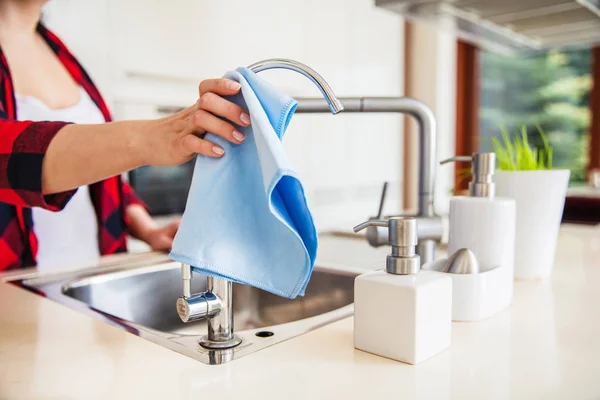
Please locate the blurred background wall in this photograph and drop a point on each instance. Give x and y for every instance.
(149, 56)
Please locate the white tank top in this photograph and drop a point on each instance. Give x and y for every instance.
(69, 237)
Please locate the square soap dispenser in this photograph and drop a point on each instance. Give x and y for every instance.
(400, 312)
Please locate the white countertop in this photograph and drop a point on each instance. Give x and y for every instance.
(547, 345)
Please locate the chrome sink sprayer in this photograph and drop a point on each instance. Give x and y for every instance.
(216, 303)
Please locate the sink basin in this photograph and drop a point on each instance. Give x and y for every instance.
(140, 298)
(147, 296)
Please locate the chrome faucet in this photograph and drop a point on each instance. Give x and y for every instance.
(333, 103)
(216, 303)
(430, 225)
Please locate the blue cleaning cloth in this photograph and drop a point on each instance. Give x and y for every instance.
(246, 217)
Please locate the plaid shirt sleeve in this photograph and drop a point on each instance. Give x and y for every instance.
(23, 146)
(129, 196)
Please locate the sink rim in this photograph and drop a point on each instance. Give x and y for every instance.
(102, 277)
(55, 284)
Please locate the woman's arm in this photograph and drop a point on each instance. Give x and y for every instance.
(41, 161)
(82, 154)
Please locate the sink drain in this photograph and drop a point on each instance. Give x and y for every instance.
(264, 334)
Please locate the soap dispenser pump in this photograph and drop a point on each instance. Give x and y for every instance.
(400, 312)
(483, 166)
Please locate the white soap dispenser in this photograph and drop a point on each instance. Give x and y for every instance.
(400, 312)
(485, 225)
(481, 222)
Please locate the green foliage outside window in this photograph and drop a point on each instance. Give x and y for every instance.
(550, 90)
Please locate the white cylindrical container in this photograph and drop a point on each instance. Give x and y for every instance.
(540, 197)
(486, 227)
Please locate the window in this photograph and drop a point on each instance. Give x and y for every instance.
(551, 89)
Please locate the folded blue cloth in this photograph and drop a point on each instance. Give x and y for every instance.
(246, 218)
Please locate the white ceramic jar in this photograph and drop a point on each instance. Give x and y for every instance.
(540, 197)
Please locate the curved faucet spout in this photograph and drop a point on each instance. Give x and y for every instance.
(282, 63)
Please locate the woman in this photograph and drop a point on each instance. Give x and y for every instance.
(43, 163)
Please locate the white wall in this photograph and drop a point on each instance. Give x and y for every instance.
(83, 26)
(156, 51)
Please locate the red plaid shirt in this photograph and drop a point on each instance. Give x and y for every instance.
(22, 149)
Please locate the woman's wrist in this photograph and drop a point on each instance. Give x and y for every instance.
(140, 223)
(138, 140)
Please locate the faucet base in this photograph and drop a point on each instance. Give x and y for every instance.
(221, 344)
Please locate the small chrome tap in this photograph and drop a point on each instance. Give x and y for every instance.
(216, 304)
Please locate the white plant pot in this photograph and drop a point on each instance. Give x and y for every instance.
(540, 198)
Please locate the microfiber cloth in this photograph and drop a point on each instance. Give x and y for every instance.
(246, 217)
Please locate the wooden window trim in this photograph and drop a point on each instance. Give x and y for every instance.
(467, 106)
(594, 149)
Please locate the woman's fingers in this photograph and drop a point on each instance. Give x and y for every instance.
(205, 115)
(221, 86)
(193, 144)
(203, 120)
(219, 106)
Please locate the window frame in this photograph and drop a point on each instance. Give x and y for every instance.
(594, 148)
(467, 106)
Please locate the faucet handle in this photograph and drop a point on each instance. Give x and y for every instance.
(197, 306)
(382, 200)
(191, 307)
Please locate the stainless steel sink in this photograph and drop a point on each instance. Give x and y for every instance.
(140, 297)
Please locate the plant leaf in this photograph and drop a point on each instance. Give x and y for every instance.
(547, 147)
(509, 147)
(505, 162)
(517, 154)
(540, 159)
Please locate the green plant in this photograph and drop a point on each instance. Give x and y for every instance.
(517, 154)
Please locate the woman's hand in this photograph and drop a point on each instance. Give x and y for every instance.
(141, 226)
(176, 139)
(161, 239)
